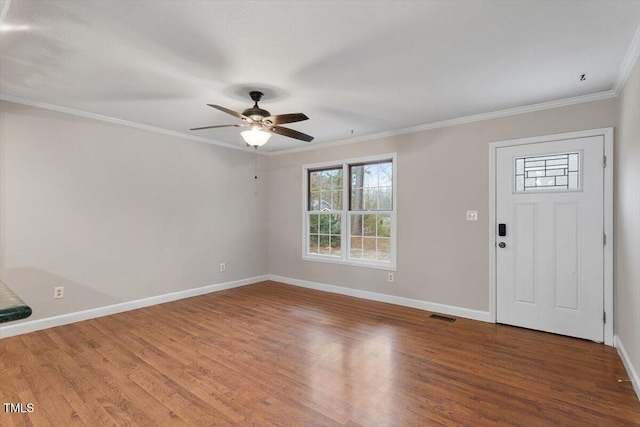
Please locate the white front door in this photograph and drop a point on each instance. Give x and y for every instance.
(550, 260)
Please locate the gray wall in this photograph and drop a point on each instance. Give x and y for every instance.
(116, 214)
(441, 173)
(627, 219)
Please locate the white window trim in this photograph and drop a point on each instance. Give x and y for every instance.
(345, 242)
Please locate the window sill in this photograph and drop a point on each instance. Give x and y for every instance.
(330, 260)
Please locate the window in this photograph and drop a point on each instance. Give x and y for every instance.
(548, 173)
(350, 211)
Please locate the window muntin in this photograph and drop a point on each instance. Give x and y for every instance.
(370, 236)
(554, 172)
(325, 189)
(371, 186)
(325, 231)
(351, 220)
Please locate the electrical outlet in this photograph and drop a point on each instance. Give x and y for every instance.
(472, 215)
(223, 267)
(390, 277)
(58, 292)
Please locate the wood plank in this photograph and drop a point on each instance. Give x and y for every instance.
(271, 354)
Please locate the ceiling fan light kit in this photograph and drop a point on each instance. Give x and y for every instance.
(255, 137)
(262, 123)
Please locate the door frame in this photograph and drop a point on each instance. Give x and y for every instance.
(607, 134)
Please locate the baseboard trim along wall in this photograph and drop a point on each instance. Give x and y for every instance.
(633, 375)
(451, 310)
(64, 319)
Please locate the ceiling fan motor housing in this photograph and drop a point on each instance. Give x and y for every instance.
(256, 113)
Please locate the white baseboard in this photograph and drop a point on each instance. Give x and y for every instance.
(633, 374)
(374, 296)
(64, 319)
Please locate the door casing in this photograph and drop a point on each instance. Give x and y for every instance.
(607, 134)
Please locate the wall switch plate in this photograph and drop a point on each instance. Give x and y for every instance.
(223, 267)
(390, 277)
(58, 292)
(472, 215)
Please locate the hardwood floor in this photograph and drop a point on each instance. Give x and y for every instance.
(271, 354)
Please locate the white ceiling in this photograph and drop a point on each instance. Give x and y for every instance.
(361, 66)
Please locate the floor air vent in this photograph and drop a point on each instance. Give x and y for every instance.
(443, 318)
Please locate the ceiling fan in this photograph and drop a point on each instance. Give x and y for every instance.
(262, 124)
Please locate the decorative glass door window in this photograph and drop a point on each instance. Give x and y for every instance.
(555, 172)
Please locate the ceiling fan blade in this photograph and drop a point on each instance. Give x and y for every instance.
(219, 126)
(228, 111)
(286, 118)
(291, 133)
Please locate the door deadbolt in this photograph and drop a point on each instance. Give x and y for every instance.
(502, 244)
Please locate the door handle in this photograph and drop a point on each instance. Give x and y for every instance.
(502, 244)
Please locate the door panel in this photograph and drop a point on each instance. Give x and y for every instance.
(524, 222)
(550, 272)
(567, 248)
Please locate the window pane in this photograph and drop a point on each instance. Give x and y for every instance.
(325, 201)
(385, 174)
(573, 162)
(372, 187)
(356, 247)
(323, 244)
(322, 185)
(573, 179)
(369, 244)
(334, 242)
(324, 234)
(336, 180)
(369, 225)
(313, 224)
(375, 243)
(324, 224)
(336, 225)
(370, 176)
(357, 176)
(357, 199)
(356, 225)
(384, 225)
(386, 199)
(314, 185)
(384, 250)
(370, 199)
(555, 172)
(336, 200)
(314, 201)
(313, 244)
(357, 184)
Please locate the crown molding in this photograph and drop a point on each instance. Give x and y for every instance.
(67, 110)
(459, 121)
(629, 61)
(434, 125)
